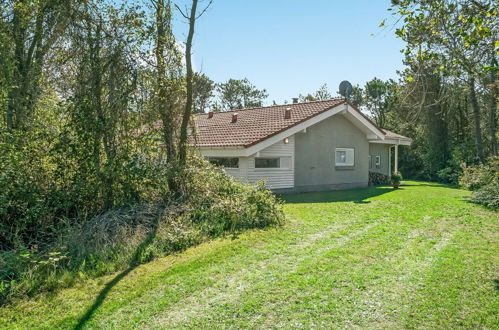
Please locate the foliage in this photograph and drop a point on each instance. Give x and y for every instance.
(239, 94)
(396, 177)
(483, 180)
(204, 89)
(475, 177)
(452, 43)
(337, 249)
(213, 204)
(322, 93)
(376, 178)
(487, 195)
(93, 144)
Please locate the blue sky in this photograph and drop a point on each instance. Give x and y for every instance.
(290, 47)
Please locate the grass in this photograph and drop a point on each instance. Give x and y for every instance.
(418, 257)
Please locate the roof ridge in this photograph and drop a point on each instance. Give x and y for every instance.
(276, 105)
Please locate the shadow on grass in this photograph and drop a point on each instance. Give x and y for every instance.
(357, 196)
(134, 263)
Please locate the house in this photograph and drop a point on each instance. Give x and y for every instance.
(310, 146)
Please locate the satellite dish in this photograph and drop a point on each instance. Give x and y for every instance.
(346, 89)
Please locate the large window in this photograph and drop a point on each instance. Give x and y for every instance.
(267, 162)
(228, 162)
(345, 157)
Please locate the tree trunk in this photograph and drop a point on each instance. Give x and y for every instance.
(476, 119)
(493, 115)
(188, 104)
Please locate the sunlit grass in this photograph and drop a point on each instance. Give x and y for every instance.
(415, 257)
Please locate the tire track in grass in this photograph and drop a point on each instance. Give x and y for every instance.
(239, 282)
(157, 300)
(457, 291)
(353, 298)
(382, 307)
(279, 275)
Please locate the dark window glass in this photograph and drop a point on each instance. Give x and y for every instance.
(229, 162)
(267, 162)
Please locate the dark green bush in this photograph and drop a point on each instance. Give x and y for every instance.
(210, 205)
(475, 177)
(487, 195)
(396, 177)
(376, 178)
(483, 180)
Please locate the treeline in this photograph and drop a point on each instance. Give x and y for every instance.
(95, 169)
(446, 98)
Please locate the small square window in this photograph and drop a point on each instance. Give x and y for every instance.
(344, 157)
(378, 161)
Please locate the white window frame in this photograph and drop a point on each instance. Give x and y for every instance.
(349, 157)
(378, 161)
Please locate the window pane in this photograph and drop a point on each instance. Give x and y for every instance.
(344, 157)
(267, 163)
(225, 161)
(341, 157)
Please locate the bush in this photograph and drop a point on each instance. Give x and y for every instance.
(211, 204)
(487, 195)
(449, 175)
(483, 180)
(376, 178)
(396, 177)
(475, 177)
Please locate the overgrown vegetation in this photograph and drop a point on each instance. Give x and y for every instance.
(95, 170)
(212, 204)
(366, 258)
(483, 180)
(376, 178)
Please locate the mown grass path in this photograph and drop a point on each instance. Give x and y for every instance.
(412, 258)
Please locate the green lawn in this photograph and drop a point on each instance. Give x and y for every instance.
(411, 258)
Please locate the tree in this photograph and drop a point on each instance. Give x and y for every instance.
(102, 85)
(36, 27)
(203, 92)
(458, 35)
(322, 93)
(239, 94)
(379, 96)
(168, 71)
(186, 116)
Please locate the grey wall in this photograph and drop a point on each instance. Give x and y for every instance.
(314, 156)
(379, 150)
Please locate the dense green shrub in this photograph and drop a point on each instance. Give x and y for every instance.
(211, 204)
(396, 177)
(376, 178)
(483, 180)
(475, 177)
(487, 195)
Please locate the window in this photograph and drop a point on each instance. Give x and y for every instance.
(228, 162)
(344, 157)
(378, 161)
(267, 162)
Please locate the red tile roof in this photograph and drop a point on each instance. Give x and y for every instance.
(255, 124)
